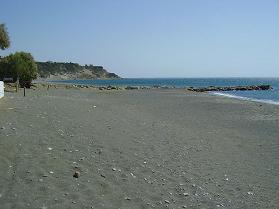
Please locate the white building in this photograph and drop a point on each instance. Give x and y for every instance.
(1, 89)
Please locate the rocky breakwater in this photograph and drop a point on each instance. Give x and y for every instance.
(134, 87)
(231, 88)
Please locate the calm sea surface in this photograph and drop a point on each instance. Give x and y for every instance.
(271, 96)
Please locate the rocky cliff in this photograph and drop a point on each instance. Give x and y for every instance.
(71, 71)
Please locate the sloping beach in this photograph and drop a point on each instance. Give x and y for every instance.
(137, 149)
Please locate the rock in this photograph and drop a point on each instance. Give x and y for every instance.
(109, 88)
(166, 201)
(132, 88)
(112, 87)
(76, 174)
(231, 88)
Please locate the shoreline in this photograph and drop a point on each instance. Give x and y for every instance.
(225, 85)
(227, 95)
(108, 87)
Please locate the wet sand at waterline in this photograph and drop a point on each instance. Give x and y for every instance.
(137, 149)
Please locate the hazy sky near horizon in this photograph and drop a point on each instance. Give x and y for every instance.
(150, 38)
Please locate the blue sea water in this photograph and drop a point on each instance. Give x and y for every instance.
(270, 96)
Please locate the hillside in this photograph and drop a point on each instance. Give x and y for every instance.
(66, 71)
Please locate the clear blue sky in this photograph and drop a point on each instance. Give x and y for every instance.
(150, 38)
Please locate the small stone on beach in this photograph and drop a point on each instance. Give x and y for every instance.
(76, 174)
(166, 201)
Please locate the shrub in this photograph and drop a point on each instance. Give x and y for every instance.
(19, 65)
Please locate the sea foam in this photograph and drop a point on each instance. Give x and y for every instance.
(246, 98)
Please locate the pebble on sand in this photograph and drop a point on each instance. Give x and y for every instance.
(76, 174)
(166, 201)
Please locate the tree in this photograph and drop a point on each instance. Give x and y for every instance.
(4, 37)
(19, 65)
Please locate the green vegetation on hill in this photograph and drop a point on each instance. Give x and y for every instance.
(72, 71)
(46, 69)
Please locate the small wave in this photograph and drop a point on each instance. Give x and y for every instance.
(246, 98)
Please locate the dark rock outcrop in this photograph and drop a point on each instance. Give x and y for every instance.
(131, 87)
(231, 88)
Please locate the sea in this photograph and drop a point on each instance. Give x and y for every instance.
(269, 96)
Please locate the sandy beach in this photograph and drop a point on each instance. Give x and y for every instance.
(137, 149)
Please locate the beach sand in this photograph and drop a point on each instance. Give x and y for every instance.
(137, 149)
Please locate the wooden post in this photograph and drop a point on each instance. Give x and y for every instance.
(17, 84)
(24, 89)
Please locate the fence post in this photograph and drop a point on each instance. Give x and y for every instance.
(17, 84)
